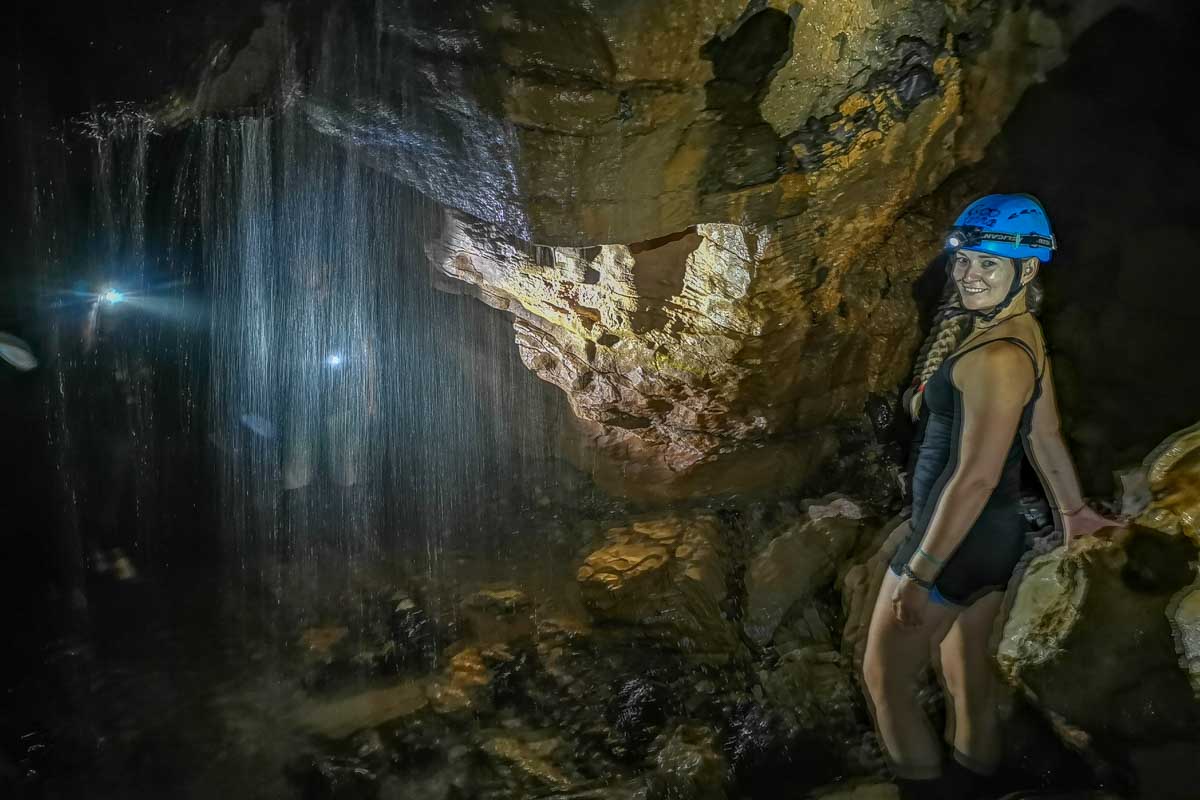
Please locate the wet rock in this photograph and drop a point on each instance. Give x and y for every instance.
(321, 641)
(664, 577)
(413, 645)
(816, 685)
(334, 779)
(769, 753)
(797, 562)
(1101, 611)
(498, 615)
(1183, 612)
(689, 764)
(528, 765)
(512, 674)
(1173, 476)
(338, 719)
(637, 711)
(464, 687)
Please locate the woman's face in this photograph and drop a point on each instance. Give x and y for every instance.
(983, 279)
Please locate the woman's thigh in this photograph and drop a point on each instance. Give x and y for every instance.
(897, 654)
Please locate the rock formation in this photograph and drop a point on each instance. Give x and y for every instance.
(1102, 638)
(699, 213)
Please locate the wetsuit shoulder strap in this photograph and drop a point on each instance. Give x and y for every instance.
(1019, 342)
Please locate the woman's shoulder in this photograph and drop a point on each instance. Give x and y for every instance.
(1002, 360)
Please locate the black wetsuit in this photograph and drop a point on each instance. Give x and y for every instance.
(986, 557)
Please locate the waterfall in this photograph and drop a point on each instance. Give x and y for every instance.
(288, 380)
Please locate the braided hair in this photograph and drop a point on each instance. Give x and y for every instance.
(951, 324)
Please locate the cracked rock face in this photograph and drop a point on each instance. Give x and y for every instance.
(698, 212)
(737, 280)
(667, 576)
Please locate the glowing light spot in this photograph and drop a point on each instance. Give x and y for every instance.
(112, 296)
(334, 360)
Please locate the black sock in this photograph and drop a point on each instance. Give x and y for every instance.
(924, 789)
(966, 783)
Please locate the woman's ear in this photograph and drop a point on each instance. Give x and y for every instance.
(1029, 269)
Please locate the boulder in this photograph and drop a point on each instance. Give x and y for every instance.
(690, 765)
(1173, 475)
(498, 615)
(795, 563)
(816, 684)
(1089, 643)
(665, 577)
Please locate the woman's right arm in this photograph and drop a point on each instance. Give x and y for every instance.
(1050, 457)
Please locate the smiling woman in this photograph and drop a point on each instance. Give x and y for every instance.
(990, 401)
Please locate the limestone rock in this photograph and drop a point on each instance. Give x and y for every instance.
(796, 563)
(1183, 612)
(690, 765)
(1173, 473)
(462, 689)
(665, 576)
(816, 684)
(1089, 643)
(339, 719)
(528, 763)
(498, 615)
(711, 280)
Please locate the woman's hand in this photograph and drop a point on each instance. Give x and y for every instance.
(1085, 522)
(908, 603)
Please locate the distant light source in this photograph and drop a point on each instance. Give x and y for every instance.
(112, 296)
(334, 360)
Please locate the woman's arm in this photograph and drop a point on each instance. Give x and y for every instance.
(996, 383)
(1048, 453)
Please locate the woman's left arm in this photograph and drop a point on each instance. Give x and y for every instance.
(1048, 453)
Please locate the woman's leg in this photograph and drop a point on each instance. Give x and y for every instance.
(895, 661)
(970, 681)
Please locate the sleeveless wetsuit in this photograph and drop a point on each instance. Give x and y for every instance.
(988, 554)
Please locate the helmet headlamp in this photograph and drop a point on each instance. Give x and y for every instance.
(972, 236)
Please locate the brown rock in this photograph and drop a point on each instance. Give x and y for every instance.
(1173, 474)
(816, 684)
(321, 641)
(665, 576)
(1089, 642)
(528, 764)
(498, 615)
(462, 689)
(339, 719)
(690, 765)
(794, 564)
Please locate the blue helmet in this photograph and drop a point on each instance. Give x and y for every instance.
(1009, 225)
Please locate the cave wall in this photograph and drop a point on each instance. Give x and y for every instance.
(706, 218)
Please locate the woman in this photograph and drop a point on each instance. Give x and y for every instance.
(990, 398)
